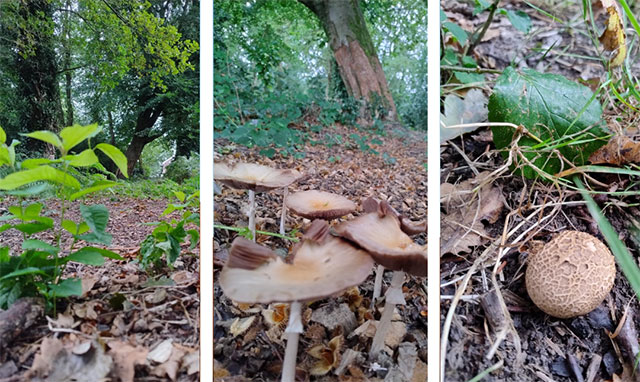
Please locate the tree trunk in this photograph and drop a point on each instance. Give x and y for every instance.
(142, 135)
(358, 63)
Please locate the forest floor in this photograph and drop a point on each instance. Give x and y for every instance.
(148, 326)
(516, 216)
(247, 346)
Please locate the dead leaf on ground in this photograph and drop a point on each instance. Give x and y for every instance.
(173, 364)
(328, 356)
(125, 358)
(471, 109)
(613, 38)
(618, 151)
(465, 209)
(57, 362)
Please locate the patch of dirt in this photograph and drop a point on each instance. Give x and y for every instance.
(122, 305)
(400, 177)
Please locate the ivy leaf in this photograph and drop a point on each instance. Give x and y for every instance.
(552, 108)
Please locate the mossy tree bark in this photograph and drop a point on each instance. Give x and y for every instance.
(350, 41)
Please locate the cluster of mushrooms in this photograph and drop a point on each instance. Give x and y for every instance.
(327, 260)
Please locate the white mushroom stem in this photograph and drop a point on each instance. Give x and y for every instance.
(283, 215)
(377, 285)
(294, 328)
(252, 214)
(393, 297)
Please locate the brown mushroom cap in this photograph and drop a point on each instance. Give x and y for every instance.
(383, 207)
(319, 205)
(571, 275)
(386, 242)
(249, 176)
(318, 270)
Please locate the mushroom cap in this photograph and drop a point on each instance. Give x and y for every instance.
(249, 176)
(571, 275)
(318, 270)
(319, 205)
(386, 242)
(383, 207)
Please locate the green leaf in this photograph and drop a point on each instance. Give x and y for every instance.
(69, 226)
(194, 237)
(73, 135)
(457, 32)
(3, 136)
(4, 155)
(519, 20)
(84, 159)
(48, 173)
(46, 136)
(180, 195)
(66, 288)
(86, 257)
(35, 162)
(91, 252)
(31, 228)
(468, 78)
(39, 244)
(96, 217)
(23, 272)
(553, 109)
(116, 156)
(97, 186)
(31, 190)
(12, 152)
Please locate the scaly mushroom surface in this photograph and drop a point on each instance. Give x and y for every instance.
(571, 275)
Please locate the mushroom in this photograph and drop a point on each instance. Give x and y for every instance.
(255, 178)
(380, 234)
(571, 275)
(370, 205)
(320, 205)
(322, 266)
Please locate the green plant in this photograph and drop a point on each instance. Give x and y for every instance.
(246, 232)
(167, 237)
(39, 269)
(182, 168)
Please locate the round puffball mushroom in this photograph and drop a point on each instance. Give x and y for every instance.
(571, 275)
(380, 235)
(322, 266)
(255, 178)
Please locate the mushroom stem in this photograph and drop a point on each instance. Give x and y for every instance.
(377, 285)
(393, 297)
(252, 214)
(294, 328)
(283, 215)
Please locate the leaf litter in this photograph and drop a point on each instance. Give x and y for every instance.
(122, 315)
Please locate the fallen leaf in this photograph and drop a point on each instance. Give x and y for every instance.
(161, 352)
(87, 285)
(471, 109)
(465, 209)
(240, 326)
(328, 356)
(618, 151)
(613, 38)
(170, 367)
(125, 358)
(56, 362)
